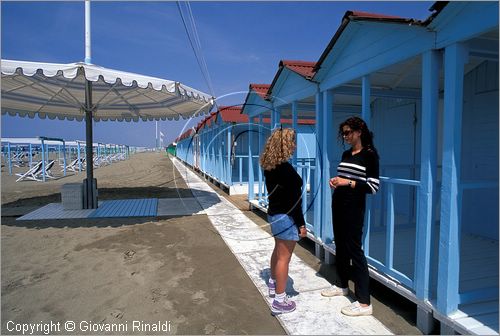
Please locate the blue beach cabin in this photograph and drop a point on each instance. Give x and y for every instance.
(429, 91)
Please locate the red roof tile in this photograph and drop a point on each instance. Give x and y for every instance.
(360, 14)
(232, 114)
(212, 118)
(303, 68)
(185, 135)
(357, 15)
(206, 121)
(260, 89)
(288, 121)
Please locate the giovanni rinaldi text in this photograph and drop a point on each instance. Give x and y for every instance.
(47, 328)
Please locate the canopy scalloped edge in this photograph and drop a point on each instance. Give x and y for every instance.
(201, 102)
(94, 72)
(43, 115)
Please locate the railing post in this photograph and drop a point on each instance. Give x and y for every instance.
(367, 227)
(64, 157)
(31, 155)
(219, 163)
(389, 238)
(328, 142)
(366, 114)
(428, 167)
(10, 158)
(317, 187)
(251, 193)
(43, 161)
(455, 58)
(229, 171)
(295, 127)
(304, 174)
(240, 164)
(261, 144)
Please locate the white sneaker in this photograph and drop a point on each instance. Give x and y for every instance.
(335, 291)
(355, 309)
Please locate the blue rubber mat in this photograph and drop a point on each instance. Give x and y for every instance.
(145, 207)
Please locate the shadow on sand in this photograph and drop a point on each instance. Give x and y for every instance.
(12, 211)
(265, 275)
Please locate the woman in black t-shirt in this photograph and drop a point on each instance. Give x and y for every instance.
(284, 187)
(358, 175)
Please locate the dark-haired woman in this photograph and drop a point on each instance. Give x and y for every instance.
(358, 175)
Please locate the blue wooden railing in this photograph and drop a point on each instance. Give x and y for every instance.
(387, 267)
(386, 216)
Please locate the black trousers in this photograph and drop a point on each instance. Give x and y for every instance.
(348, 212)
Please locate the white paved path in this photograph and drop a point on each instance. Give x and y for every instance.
(252, 246)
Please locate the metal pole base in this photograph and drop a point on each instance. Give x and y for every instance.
(89, 194)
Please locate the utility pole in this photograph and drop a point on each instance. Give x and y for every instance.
(156, 135)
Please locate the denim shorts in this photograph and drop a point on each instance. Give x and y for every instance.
(283, 227)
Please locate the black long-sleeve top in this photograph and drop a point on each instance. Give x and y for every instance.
(284, 187)
(363, 168)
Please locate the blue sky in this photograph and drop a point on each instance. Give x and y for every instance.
(242, 43)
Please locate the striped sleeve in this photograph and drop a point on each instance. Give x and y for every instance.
(372, 173)
(362, 168)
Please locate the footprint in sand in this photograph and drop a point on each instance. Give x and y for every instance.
(114, 315)
(213, 329)
(16, 310)
(37, 277)
(157, 293)
(117, 313)
(199, 297)
(129, 254)
(12, 285)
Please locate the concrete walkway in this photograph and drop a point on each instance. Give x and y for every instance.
(252, 247)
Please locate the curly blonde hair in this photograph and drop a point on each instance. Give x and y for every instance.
(279, 148)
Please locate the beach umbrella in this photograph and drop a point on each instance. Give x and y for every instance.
(51, 90)
(82, 90)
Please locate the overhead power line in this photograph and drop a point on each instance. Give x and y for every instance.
(194, 40)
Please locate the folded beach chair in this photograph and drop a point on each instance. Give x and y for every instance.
(113, 158)
(35, 173)
(105, 160)
(31, 173)
(69, 166)
(119, 157)
(48, 172)
(99, 161)
(73, 166)
(96, 161)
(18, 159)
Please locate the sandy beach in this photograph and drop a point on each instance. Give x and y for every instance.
(145, 274)
(162, 272)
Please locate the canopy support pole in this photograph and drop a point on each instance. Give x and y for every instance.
(88, 50)
(89, 188)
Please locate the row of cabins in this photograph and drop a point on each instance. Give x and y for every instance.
(205, 147)
(429, 92)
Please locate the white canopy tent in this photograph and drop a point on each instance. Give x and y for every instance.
(58, 91)
(79, 90)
